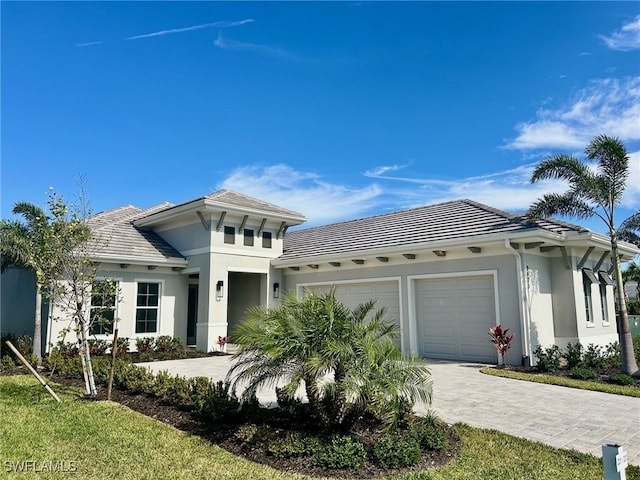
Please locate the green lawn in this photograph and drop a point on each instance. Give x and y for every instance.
(630, 391)
(107, 440)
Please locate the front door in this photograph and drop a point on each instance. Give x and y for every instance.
(192, 314)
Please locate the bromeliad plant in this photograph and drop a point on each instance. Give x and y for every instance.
(501, 339)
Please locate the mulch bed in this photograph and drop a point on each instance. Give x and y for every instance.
(224, 438)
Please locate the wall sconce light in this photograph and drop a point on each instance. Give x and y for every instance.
(276, 290)
(219, 289)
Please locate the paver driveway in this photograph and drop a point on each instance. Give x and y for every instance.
(558, 416)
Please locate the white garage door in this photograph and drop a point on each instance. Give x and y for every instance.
(454, 315)
(353, 294)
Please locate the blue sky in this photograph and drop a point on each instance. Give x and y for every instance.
(337, 110)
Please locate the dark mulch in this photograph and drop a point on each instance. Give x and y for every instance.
(224, 436)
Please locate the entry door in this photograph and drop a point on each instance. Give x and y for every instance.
(192, 314)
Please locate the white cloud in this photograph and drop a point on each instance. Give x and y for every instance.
(88, 44)
(305, 192)
(378, 171)
(324, 202)
(225, 44)
(625, 39)
(606, 106)
(220, 24)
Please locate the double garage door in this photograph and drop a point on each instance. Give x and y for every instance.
(453, 316)
(353, 294)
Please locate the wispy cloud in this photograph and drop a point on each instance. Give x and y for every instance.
(88, 44)
(382, 170)
(625, 39)
(509, 190)
(610, 106)
(305, 192)
(226, 44)
(220, 24)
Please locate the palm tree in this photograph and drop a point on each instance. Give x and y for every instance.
(629, 230)
(22, 244)
(592, 193)
(345, 359)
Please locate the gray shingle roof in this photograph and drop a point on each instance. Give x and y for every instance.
(119, 238)
(441, 222)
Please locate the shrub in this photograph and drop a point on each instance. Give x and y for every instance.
(138, 379)
(180, 392)
(593, 358)
(97, 346)
(431, 434)
(622, 379)
(288, 403)
(548, 358)
(254, 435)
(293, 444)
(220, 405)
(613, 356)
(573, 356)
(583, 373)
(397, 450)
(633, 307)
(341, 452)
(62, 363)
(145, 345)
(169, 347)
(7, 362)
(636, 347)
(122, 346)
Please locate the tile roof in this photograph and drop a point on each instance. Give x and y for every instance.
(121, 239)
(240, 201)
(440, 222)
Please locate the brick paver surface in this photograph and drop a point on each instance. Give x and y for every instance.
(558, 416)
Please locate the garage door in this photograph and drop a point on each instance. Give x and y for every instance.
(454, 316)
(353, 294)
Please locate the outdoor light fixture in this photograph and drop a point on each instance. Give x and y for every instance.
(219, 289)
(276, 290)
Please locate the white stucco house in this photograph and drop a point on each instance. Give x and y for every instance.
(445, 272)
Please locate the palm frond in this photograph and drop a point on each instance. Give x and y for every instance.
(560, 204)
(559, 167)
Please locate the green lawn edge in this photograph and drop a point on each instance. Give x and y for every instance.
(563, 381)
(108, 440)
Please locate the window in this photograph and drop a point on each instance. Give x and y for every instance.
(103, 307)
(587, 279)
(605, 280)
(248, 237)
(147, 303)
(266, 239)
(603, 304)
(230, 235)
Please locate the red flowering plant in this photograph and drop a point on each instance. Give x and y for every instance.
(501, 339)
(222, 341)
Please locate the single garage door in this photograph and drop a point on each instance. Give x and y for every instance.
(353, 294)
(454, 315)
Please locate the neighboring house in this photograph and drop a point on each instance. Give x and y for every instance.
(445, 272)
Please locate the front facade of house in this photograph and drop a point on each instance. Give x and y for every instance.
(445, 273)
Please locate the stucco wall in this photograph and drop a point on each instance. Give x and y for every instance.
(172, 314)
(537, 272)
(507, 309)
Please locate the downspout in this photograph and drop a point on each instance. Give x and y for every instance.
(522, 302)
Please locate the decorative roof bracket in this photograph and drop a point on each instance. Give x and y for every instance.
(205, 223)
(220, 220)
(585, 257)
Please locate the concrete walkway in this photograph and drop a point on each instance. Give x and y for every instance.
(558, 416)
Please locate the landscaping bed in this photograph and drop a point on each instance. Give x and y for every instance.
(282, 425)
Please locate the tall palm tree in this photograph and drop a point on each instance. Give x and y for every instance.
(22, 245)
(345, 359)
(629, 230)
(592, 193)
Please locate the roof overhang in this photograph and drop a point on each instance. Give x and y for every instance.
(141, 260)
(207, 205)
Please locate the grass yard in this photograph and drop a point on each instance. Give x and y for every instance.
(630, 391)
(107, 440)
